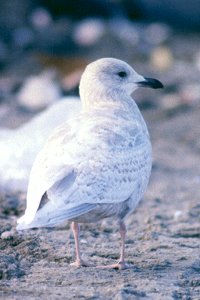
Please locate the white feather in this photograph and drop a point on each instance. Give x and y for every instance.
(102, 156)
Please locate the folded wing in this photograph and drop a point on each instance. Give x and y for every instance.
(80, 167)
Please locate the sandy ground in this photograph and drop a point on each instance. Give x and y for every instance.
(162, 239)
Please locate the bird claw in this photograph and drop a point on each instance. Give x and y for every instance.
(80, 263)
(120, 266)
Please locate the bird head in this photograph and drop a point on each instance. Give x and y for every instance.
(110, 76)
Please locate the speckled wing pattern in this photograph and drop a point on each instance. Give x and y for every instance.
(91, 160)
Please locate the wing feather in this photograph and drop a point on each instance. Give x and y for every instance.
(86, 162)
(50, 215)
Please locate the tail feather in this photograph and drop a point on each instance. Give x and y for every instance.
(50, 215)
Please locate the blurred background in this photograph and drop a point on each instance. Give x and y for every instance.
(44, 48)
(46, 44)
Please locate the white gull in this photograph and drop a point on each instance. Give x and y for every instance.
(19, 147)
(96, 165)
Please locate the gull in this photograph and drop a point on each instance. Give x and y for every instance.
(20, 146)
(98, 164)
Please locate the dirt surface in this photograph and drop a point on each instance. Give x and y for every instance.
(162, 239)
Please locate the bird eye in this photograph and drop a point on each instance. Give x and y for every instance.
(122, 74)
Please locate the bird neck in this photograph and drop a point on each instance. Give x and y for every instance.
(110, 99)
(112, 102)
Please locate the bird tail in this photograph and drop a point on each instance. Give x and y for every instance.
(50, 215)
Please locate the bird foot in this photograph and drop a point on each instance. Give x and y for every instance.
(121, 265)
(80, 263)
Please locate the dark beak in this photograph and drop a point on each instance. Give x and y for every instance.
(152, 83)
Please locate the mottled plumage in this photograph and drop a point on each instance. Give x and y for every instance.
(98, 164)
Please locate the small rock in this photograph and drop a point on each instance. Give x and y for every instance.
(40, 18)
(88, 32)
(190, 94)
(39, 91)
(157, 33)
(125, 30)
(161, 58)
(177, 214)
(171, 101)
(83, 241)
(7, 235)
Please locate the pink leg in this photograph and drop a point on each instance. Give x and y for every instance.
(78, 262)
(121, 264)
(122, 231)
